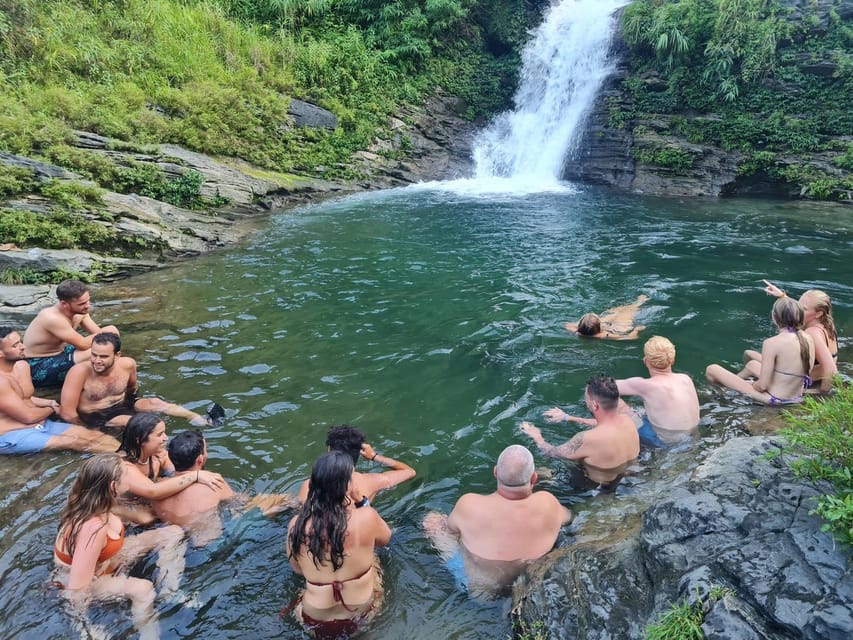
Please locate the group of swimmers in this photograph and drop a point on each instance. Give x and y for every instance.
(331, 539)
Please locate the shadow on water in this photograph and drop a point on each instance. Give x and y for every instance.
(432, 320)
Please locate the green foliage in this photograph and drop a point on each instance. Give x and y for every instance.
(15, 180)
(757, 162)
(521, 630)
(62, 230)
(669, 157)
(28, 276)
(820, 435)
(683, 621)
(72, 195)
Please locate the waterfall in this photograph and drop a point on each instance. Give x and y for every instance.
(563, 67)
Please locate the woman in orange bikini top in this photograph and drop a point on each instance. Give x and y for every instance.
(90, 538)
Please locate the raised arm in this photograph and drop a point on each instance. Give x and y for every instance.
(632, 386)
(399, 472)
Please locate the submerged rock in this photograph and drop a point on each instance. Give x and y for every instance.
(740, 526)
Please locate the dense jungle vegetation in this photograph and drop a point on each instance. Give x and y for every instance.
(217, 76)
(744, 76)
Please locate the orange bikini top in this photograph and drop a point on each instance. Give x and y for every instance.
(112, 547)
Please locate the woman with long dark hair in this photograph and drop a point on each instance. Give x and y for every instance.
(143, 450)
(785, 364)
(331, 543)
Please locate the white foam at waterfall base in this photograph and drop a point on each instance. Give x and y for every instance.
(563, 67)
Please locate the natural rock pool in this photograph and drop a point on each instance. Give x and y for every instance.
(433, 320)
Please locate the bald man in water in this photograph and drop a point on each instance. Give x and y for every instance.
(499, 533)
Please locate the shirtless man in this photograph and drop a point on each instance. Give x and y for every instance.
(608, 448)
(52, 342)
(24, 424)
(194, 508)
(495, 536)
(616, 323)
(350, 440)
(102, 392)
(670, 400)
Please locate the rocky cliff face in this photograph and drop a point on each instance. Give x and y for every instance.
(649, 153)
(736, 538)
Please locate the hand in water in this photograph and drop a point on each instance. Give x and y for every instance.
(531, 430)
(555, 415)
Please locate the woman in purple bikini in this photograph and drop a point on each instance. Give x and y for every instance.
(786, 360)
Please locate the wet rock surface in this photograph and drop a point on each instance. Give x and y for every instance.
(740, 524)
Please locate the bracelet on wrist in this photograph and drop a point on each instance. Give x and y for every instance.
(374, 457)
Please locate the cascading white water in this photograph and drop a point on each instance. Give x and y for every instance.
(563, 67)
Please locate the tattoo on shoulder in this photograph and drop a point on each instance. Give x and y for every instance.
(575, 443)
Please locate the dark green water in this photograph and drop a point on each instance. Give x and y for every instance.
(433, 321)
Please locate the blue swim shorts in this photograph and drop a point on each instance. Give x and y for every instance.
(49, 371)
(33, 439)
(456, 566)
(648, 434)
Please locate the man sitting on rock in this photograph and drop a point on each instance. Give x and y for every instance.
(606, 450)
(25, 424)
(52, 343)
(102, 393)
(487, 540)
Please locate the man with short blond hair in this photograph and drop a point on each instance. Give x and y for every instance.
(670, 400)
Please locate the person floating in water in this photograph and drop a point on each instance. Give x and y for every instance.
(785, 363)
(492, 538)
(819, 324)
(609, 447)
(616, 323)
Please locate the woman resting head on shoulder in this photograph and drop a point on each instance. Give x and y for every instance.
(146, 461)
(331, 543)
(87, 550)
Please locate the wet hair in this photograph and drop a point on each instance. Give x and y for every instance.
(589, 325)
(345, 438)
(5, 331)
(68, 290)
(789, 314)
(138, 428)
(515, 466)
(659, 352)
(823, 304)
(92, 494)
(106, 337)
(326, 510)
(185, 448)
(604, 390)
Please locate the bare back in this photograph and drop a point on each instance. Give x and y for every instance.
(365, 531)
(669, 398)
(49, 332)
(187, 506)
(782, 373)
(497, 528)
(607, 449)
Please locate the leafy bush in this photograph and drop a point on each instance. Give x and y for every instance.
(820, 435)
